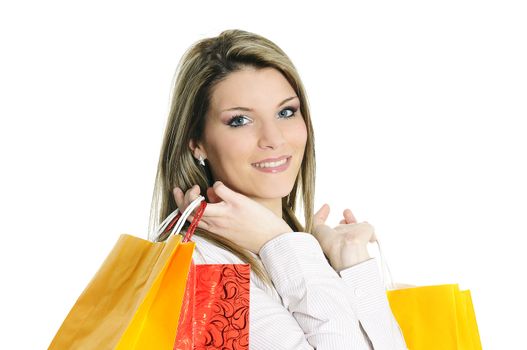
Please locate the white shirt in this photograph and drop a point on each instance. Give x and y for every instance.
(311, 306)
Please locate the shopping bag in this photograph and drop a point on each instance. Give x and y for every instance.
(436, 317)
(439, 317)
(215, 312)
(134, 300)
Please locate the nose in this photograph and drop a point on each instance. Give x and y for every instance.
(271, 135)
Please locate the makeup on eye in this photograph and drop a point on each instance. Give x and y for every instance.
(240, 116)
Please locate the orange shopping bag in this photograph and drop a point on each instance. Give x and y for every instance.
(134, 299)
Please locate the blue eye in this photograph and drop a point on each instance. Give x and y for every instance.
(291, 109)
(240, 117)
(236, 118)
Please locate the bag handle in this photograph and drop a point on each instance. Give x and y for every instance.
(170, 220)
(385, 270)
(195, 221)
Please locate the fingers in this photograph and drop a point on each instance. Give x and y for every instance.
(184, 199)
(213, 197)
(191, 194)
(349, 218)
(179, 197)
(224, 193)
(321, 215)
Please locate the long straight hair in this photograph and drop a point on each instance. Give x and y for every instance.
(201, 67)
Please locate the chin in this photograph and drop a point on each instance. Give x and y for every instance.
(274, 191)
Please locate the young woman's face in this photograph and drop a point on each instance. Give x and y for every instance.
(254, 115)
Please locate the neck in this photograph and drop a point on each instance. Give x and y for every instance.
(273, 204)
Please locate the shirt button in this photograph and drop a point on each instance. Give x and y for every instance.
(359, 292)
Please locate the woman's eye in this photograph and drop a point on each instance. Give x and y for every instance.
(291, 109)
(234, 119)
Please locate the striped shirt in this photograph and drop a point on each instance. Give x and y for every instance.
(310, 306)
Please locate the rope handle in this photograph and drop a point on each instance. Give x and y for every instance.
(385, 270)
(175, 220)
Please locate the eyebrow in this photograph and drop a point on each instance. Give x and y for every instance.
(250, 110)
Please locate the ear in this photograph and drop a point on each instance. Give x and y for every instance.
(197, 149)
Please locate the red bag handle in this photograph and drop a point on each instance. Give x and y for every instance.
(193, 224)
(195, 221)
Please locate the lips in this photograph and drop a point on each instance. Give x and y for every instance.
(275, 168)
(269, 160)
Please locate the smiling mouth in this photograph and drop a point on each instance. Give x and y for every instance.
(273, 167)
(272, 164)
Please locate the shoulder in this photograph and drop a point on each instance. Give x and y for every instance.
(207, 252)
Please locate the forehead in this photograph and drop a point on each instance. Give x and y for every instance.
(251, 87)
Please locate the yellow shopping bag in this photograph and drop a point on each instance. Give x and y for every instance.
(439, 317)
(436, 317)
(134, 300)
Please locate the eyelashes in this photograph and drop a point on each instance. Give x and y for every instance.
(238, 117)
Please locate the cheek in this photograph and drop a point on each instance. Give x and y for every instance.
(298, 134)
(230, 147)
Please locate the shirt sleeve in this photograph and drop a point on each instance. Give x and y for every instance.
(313, 292)
(272, 325)
(367, 293)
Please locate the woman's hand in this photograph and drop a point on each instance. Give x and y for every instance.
(345, 244)
(234, 216)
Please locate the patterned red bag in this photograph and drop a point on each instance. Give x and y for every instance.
(215, 309)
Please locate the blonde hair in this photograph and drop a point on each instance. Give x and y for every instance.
(203, 65)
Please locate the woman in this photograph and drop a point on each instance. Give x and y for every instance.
(239, 132)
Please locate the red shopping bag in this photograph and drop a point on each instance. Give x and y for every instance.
(215, 308)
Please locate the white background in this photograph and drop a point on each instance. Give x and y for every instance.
(419, 111)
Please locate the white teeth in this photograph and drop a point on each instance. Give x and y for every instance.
(271, 164)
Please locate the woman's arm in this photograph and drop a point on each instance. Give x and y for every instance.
(346, 248)
(313, 292)
(367, 293)
(271, 325)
